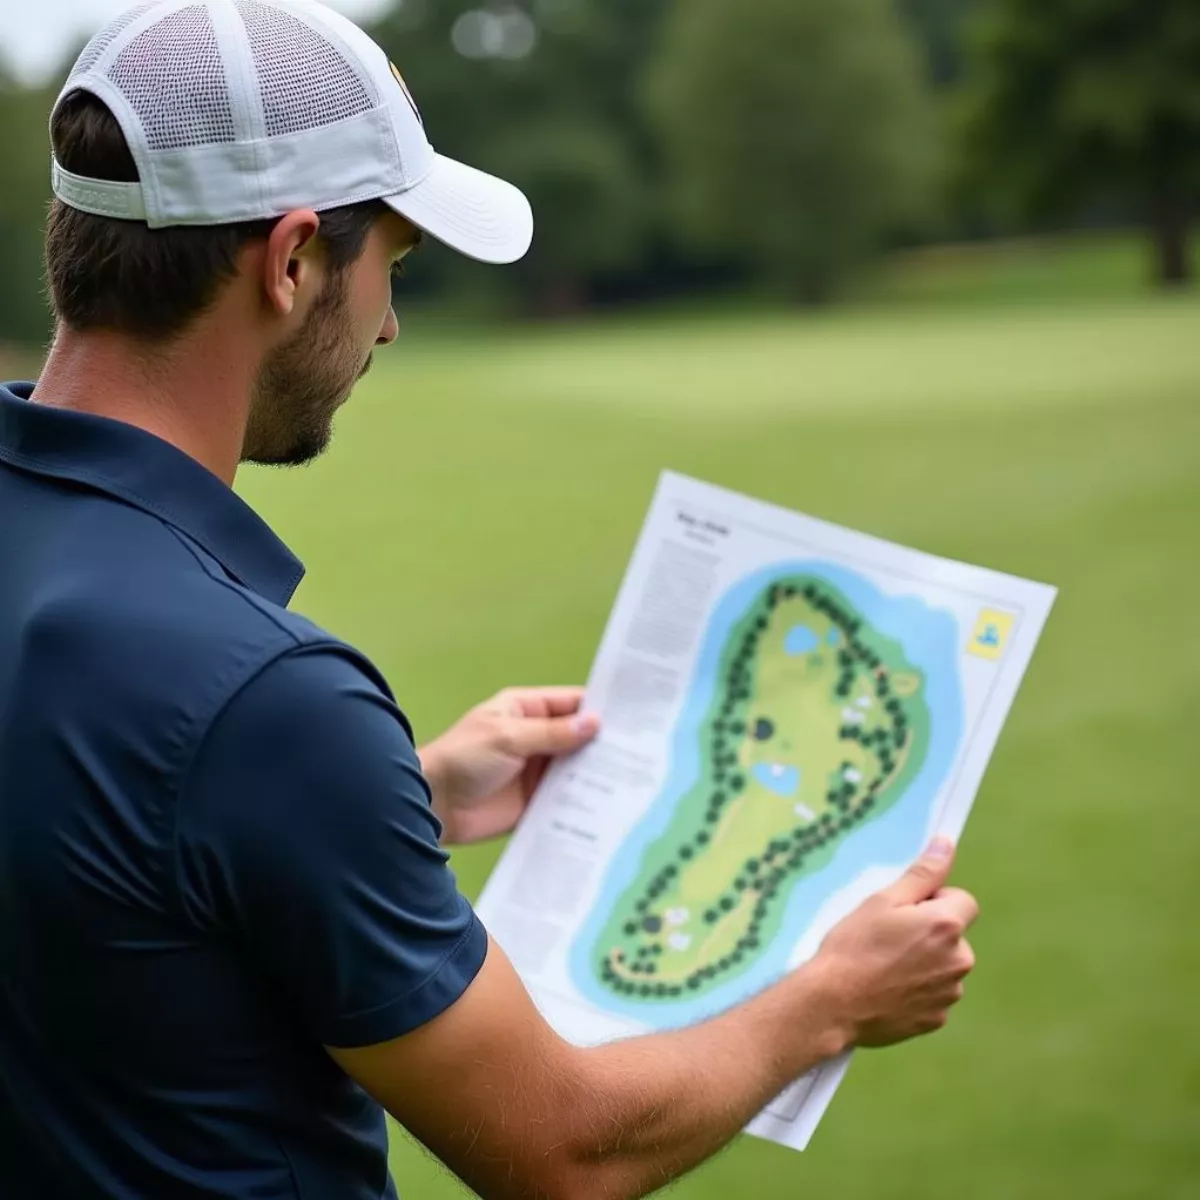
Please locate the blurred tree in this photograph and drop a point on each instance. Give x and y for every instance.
(939, 27)
(797, 130)
(541, 93)
(24, 113)
(1073, 99)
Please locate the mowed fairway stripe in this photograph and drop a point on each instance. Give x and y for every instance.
(1009, 358)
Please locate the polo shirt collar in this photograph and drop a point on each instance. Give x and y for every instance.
(143, 470)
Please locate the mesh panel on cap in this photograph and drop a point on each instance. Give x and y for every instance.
(104, 39)
(174, 79)
(303, 80)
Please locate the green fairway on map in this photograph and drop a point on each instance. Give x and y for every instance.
(817, 725)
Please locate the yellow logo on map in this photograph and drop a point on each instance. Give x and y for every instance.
(991, 634)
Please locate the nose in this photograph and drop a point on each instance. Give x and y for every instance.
(389, 329)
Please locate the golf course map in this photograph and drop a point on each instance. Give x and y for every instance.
(817, 724)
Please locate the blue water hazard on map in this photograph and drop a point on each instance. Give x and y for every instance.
(800, 640)
(782, 779)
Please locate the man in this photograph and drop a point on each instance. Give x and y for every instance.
(229, 938)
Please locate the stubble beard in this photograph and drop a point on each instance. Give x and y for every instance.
(302, 383)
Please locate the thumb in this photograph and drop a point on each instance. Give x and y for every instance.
(923, 879)
(534, 737)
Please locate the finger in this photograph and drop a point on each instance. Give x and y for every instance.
(546, 701)
(965, 961)
(923, 879)
(528, 737)
(956, 906)
(963, 902)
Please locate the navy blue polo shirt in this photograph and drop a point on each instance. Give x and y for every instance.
(217, 852)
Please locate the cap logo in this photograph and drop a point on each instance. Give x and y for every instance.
(407, 94)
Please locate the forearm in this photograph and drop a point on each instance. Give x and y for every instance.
(659, 1105)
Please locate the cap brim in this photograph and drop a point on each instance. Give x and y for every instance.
(471, 212)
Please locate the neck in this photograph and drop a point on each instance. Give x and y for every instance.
(194, 393)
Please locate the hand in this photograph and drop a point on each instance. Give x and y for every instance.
(899, 960)
(483, 770)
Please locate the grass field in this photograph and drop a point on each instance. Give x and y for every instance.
(470, 527)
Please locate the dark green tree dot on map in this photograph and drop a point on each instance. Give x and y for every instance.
(752, 865)
(657, 948)
(701, 838)
(630, 929)
(642, 905)
(685, 852)
(650, 968)
(740, 883)
(710, 916)
(727, 902)
(644, 989)
(674, 990)
(737, 782)
(712, 816)
(737, 727)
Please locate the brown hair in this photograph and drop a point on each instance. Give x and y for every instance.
(149, 283)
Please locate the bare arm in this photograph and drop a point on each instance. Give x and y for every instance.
(516, 1111)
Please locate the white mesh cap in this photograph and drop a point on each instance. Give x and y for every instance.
(236, 110)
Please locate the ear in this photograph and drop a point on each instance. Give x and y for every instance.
(290, 265)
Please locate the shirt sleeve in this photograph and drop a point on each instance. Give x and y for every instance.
(306, 833)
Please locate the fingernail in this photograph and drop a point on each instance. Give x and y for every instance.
(940, 847)
(587, 723)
